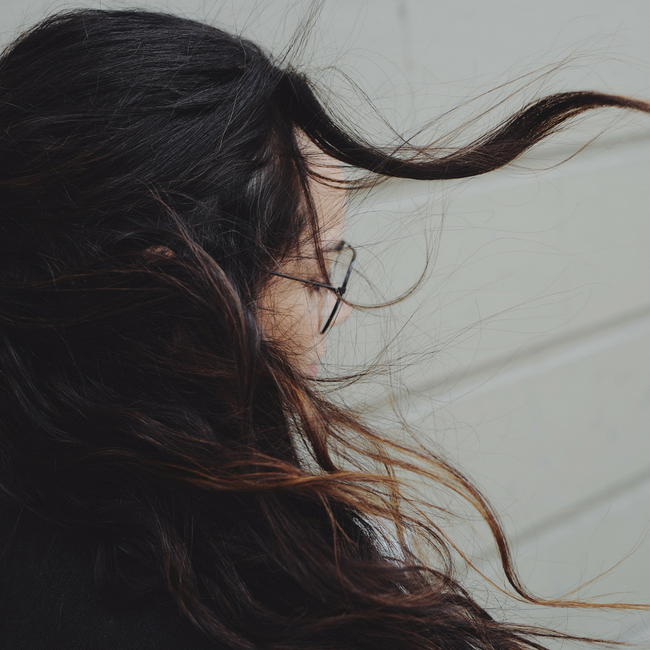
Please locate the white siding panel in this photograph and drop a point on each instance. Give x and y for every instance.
(524, 263)
(551, 436)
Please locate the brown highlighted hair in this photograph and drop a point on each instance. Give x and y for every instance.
(150, 174)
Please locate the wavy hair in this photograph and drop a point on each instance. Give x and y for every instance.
(150, 175)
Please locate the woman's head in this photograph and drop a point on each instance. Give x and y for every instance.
(170, 200)
(155, 181)
(133, 134)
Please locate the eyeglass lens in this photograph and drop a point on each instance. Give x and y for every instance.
(339, 275)
(340, 266)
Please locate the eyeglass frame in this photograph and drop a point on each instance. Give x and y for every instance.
(339, 291)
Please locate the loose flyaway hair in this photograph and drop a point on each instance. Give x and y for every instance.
(151, 175)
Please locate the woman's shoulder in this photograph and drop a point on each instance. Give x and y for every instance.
(48, 598)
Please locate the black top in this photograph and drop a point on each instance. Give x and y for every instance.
(48, 598)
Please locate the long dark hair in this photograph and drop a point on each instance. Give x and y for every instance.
(150, 174)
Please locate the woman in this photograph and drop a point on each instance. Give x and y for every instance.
(172, 257)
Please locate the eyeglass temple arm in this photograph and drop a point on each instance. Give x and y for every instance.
(338, 290)
(312, 282)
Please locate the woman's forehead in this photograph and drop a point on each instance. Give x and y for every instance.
(330, 209)
(327, 191)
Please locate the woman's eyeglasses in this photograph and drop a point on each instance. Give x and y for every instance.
(339, 276)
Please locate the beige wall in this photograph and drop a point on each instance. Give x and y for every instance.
(539, 302)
